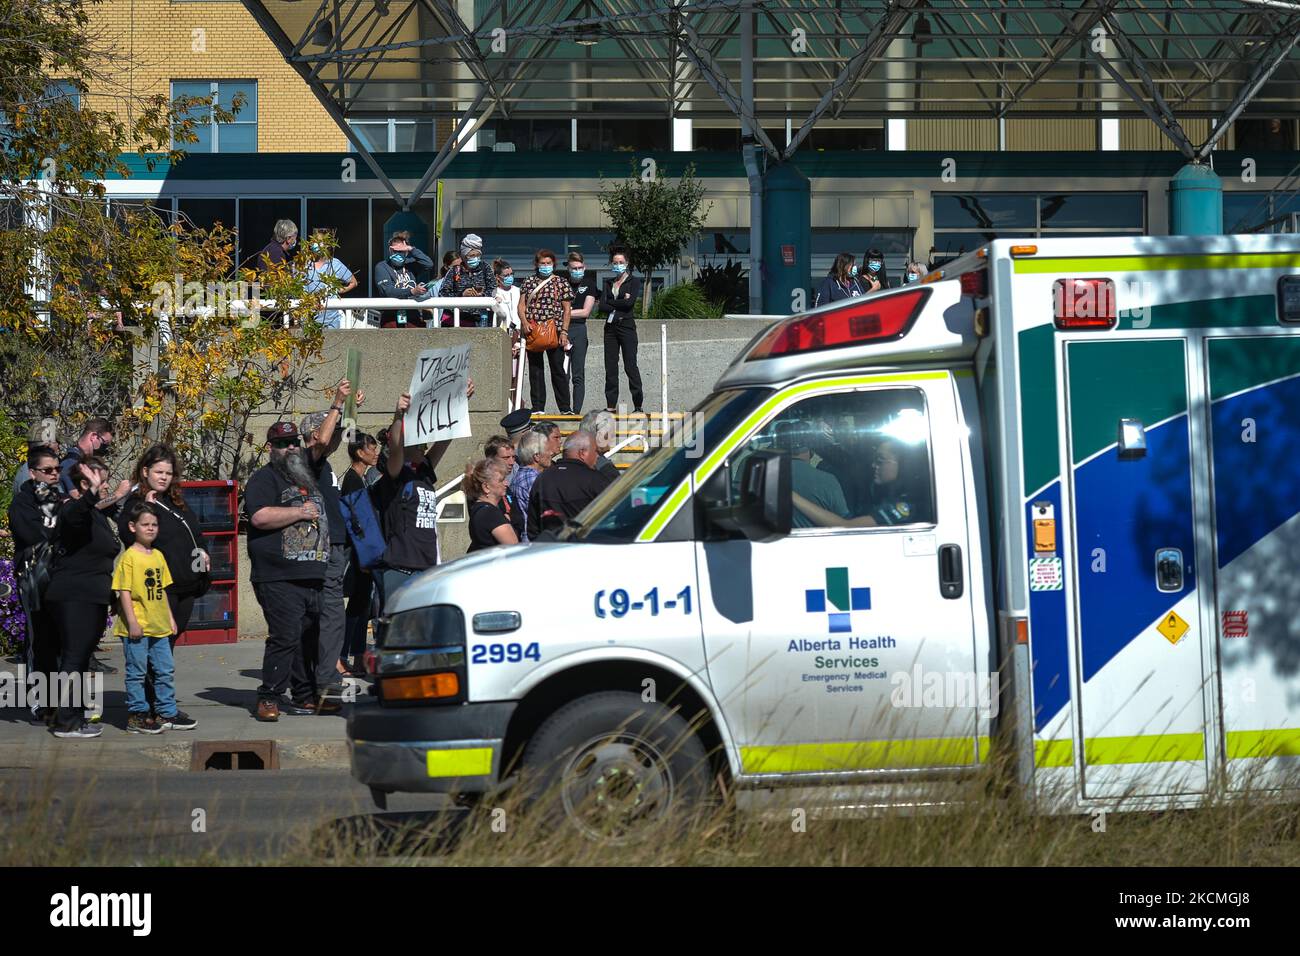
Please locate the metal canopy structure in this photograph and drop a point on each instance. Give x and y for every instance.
(850, 62)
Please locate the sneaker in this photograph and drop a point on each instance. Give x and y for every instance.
(85, 731)
(178, 721)
(142, 724)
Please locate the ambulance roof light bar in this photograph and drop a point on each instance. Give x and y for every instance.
(857, 322)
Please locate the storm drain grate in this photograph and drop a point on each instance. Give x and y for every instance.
(234, 755)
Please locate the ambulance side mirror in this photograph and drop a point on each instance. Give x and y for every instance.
(763, 506)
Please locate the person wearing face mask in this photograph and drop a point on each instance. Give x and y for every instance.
(506, 295)
(617, 300)
(840, 283)
(585, 293)
(874, 277)
(544, 306)
(914, 272)
(396, 278)
(473, 276)
(323, 264)
(284, 237)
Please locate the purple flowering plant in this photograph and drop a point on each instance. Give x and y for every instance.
(13, 622)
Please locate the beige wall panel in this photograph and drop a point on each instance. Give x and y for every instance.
(478, 213)
(1051, 134)
(583, 214)
(892, 211)
(546, 212)
(856, 212)
(516, 212)
(826, 212)
(954, 134)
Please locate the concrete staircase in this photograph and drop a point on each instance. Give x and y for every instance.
(649, 426)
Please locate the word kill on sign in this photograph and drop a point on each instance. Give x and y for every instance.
(439, 408)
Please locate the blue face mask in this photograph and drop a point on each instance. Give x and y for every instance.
(618, 268)
(545, 270)
(315, 247)
(473, 263)
(577, 273)
(508, 280)
(912, 277)
(396, 258)
(853, 271)
(874, 265)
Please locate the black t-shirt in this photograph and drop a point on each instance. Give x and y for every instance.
(484, 518)
(297, 552)
(352, 482)
(586, 286)
(566, 487)
(408, 505)
(330, 494)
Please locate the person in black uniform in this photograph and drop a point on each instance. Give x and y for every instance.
(620, 295)
(80, 591)
(899, 490)
(568, 486)
(585, 294)
(33, 519)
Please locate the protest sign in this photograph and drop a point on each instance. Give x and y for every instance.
(439, 408)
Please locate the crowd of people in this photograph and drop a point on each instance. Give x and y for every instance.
(846, 280)
(323, 553)
(85, 550)
(546, 312)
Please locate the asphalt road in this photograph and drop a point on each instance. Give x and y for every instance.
(121, 817)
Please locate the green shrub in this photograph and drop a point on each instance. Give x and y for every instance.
(685, 301)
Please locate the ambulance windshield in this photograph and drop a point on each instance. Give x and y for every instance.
(626, 506)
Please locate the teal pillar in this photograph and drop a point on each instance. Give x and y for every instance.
(1195, 202)
(417, 227)
(787, 239)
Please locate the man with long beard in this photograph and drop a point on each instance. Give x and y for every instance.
(289, 547)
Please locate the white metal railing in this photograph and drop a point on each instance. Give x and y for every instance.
(352, 305)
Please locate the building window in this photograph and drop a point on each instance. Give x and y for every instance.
(213, 137)
(1265, 212)
(965, 221)
(526, 136)
(396, 135)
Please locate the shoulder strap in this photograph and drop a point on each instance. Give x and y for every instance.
(540, 286)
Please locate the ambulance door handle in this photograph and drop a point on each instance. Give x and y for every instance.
(951, 580)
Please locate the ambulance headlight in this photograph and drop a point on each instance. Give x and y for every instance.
(442, 625)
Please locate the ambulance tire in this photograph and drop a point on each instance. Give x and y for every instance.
(617, 769)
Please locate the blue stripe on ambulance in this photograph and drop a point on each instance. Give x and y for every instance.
(1125, 511)
(1256, 483)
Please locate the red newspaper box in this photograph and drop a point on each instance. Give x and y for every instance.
(215, 618)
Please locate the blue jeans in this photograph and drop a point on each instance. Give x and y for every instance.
(155, 652)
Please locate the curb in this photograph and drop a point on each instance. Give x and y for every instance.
(62, 755)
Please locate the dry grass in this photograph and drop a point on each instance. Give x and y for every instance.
(982, 823)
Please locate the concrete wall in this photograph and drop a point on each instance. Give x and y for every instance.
(697, 354)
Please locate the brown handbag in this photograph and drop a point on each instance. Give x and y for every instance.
(541, 336)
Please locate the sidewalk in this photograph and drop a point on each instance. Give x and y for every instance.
(216, 684)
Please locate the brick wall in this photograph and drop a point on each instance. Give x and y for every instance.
(155, 42)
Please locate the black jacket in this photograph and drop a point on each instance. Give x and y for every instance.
(566, 488)
(26, 519)
(178, 536)
(620, 306)
(84, 572)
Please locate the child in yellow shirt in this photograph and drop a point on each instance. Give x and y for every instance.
(145, 624)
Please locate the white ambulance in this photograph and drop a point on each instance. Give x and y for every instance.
(1046, 500)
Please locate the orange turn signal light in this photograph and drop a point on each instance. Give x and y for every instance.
(1022, 630)
(1024, 250)
(424, 687)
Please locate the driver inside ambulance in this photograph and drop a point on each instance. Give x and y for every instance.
(897, 499)
(819, 491)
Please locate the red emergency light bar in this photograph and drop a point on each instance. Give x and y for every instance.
(1081, 304)
(856, 322)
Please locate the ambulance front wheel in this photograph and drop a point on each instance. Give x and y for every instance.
(616, 768)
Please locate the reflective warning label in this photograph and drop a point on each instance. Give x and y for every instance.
(1045, 574)
(1172, 627)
